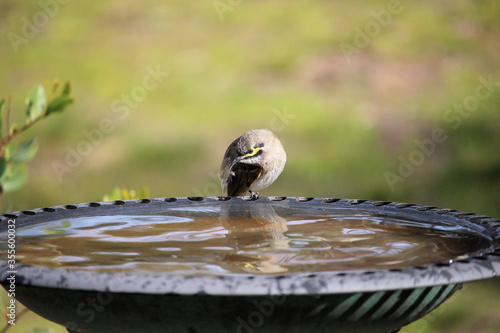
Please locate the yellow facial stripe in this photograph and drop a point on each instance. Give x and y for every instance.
(254, 151)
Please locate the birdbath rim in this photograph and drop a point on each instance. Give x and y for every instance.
(479, 265)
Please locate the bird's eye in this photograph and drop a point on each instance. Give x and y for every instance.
(253, 151)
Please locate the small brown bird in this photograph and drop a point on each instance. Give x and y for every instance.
(252, 162)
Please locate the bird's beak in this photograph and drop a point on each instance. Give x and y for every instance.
(236, 160)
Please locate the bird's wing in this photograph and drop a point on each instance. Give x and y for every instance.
(241, 178)
(229, 156)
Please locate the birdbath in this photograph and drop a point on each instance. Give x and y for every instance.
(233, 264)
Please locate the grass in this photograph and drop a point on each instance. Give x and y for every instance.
(350, 118)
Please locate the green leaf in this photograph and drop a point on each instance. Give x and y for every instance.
(55, 85)
(144, 193)
(116, 194)
(58, 104)
(14, 178)
(24, 152)
(66, 89)
(36, 102)
(13, 128)
(126, 195)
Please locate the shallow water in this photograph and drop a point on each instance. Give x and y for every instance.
(214, 245)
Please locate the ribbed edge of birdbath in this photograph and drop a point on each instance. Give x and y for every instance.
(479, 265)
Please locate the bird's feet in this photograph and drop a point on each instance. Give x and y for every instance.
(254, 195)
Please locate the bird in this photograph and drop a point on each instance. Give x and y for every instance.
(252, 162)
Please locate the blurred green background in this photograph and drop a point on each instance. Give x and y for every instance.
(354, 89)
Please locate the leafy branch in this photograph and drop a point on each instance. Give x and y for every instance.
(13, 157)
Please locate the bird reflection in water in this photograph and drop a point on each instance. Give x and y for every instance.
(253, 225)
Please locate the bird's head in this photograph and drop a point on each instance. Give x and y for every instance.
(253, 146)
